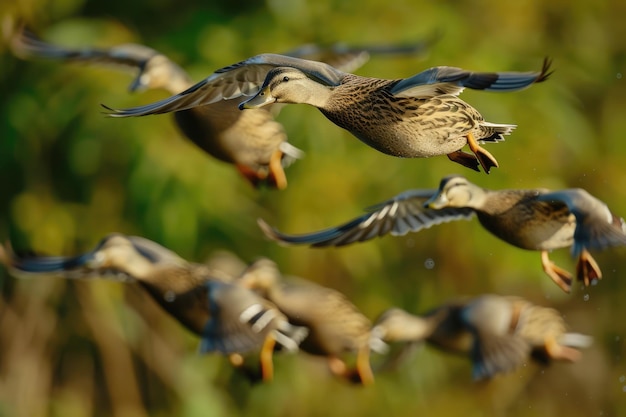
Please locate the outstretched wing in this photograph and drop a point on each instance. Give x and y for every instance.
(241, 79)
(451, 80)
(26, 44)
(349, 58)
(398, 216)
(596, 226)
(71, 267)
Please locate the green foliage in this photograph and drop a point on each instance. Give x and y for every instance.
(70, 176)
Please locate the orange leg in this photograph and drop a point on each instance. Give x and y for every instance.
(466, 159)
(587, 269)
(267, 353)
(485, 158)
(561, 277)
(560, 353)
(363, 366)
(277, 173)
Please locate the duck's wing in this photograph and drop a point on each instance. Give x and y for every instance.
(72, 267)
(398, 216)
(349, 58)
(28, 45)
(493, 354)
(241, 79)
(451, 80)
(596, 226)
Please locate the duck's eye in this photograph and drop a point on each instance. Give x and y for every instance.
(285, 78)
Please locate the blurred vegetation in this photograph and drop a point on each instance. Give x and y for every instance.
(70, 176)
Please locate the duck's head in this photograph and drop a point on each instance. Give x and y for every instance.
(397, 325)
(262, 275)
(117, 252)
(157, 71)
(283, 85)
(454, 191)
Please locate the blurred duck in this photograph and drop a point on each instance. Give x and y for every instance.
(533, 219)
(229, 318)
(335, 325)
(416, 117)
(498, 333)
(253, 141)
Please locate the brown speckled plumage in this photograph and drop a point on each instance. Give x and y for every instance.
(408, 127)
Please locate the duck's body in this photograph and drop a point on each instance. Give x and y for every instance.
(229, 318)
(336, 326)
(402, 126)
(532, 219)
(498, 333)
(519, 218)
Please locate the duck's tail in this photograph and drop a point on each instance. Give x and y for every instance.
(494, 132)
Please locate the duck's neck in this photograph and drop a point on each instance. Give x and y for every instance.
(178, 82)
(314, 94)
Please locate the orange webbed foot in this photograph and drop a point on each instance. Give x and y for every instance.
(587, 269)
(468, 160)
(486, 159)
(561, 277)
(277, 173)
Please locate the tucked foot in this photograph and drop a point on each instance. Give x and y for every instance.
(587, 269)
(337, 366)
(236, 360)
(468, 160)
(485, 158)
(363, 366)
(277, 173)
(253, 176)
(561, 277)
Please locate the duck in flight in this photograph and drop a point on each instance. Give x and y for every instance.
(532, 219)
(416, 117)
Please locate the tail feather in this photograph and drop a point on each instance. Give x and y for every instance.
(492, 132)
(576, 340)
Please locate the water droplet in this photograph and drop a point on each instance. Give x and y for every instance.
(624, 388)
(429, 263)
(586, 297)
(622, 379)
(618, 75)
(169, 296)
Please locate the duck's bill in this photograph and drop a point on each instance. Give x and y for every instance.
(262, 98)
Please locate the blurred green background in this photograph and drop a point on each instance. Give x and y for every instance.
(70, 176)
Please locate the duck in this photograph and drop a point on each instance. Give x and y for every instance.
(416, 117)
(498, 333)
(229, 318)
(531, 219)
(335, 324)
(254, 142)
